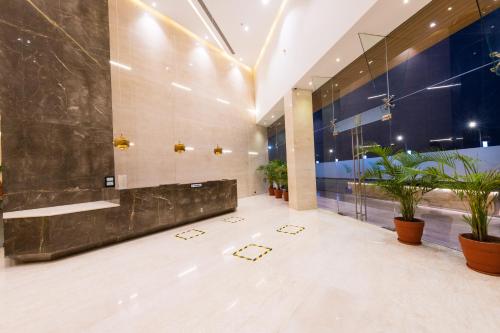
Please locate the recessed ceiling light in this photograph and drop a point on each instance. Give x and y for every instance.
(153, 4)
(190, 65)
(337, 60)
(406, 1)
(450, 8)
(265, 2)
(245, 27)
(167, 68)
(241, 59)
(336, 84)
(310, 83)
(206, 37)
(272, 116)
(432, 25)
(361, 72)
(370, 62)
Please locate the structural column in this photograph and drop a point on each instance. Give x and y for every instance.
(300, 149)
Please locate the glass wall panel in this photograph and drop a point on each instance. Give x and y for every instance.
(445, 80)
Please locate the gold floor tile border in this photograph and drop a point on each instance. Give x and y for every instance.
(200, 232)
(237, 252)
(234, 219)
(288, 232)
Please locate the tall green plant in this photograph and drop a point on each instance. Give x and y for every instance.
(402, 177)
(476, 188)
(282, 176)
(270, 171)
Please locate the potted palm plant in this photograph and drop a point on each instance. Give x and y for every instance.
(400, 175)
(282, 180)
(277, 166)
(269, 173)
(478, 189)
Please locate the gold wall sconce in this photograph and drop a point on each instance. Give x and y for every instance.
(179, 148)
(121, 142)
(218, 150)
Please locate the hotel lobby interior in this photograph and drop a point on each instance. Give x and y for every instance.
(250, 166)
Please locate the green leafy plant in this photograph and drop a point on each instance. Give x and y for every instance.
(402, 176)
(282, 176)
(478, 189)
(270, 171)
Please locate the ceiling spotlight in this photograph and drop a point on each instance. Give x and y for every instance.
(450, 9)
(406, 2)
(337, 60)
(265, 2)
(153, 4)
(245, 27)
(190, 65)
(310, 83)
(370, 62)
(241, 59)
(336, 84)
(432, 25)
(360, 72)
(272, 116)
(206, 37)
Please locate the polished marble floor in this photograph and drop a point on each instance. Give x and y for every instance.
(325, 273)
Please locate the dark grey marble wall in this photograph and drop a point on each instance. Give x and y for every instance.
(142, 211)
(55, 101)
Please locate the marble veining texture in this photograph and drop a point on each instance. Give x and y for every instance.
(337, 275)
(141, 211)
(55, 100)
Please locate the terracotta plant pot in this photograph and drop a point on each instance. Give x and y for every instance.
(271, 190)
(483, 257)
(278, 193)
(285, 195)
(409, 233)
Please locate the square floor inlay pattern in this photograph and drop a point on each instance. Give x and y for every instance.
(290, 229)
(234, 219)
(252, 252)
(190, 234)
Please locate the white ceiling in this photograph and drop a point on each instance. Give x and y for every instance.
(230, 15)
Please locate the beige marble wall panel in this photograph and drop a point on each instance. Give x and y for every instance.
(155, 115)
(300, 149)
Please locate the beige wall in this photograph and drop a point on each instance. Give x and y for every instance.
(154, 115)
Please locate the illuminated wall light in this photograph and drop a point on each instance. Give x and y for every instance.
(122, 66)
(180, 86)
(443, 87)
(253, 153)
(223, 101)
(227, 151)
(450, 9)
(189, 148)
(214, 36)
(432, 24)
(376, 96)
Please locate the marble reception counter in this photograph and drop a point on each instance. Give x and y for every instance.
(52, 232)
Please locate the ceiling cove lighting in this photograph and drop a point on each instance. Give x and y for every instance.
(122, 66)
(223, 101)
(214, 36)
(180, 86)
(377, 96)
(443, 87)
(271, 32)
(153, 11)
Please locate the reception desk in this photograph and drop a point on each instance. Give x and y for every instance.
(52, 232)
